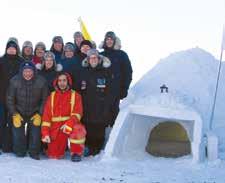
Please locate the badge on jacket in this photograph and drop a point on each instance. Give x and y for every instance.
(101, 83)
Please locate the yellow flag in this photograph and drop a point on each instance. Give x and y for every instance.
(84, 30)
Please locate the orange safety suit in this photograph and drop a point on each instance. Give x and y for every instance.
(63, 108)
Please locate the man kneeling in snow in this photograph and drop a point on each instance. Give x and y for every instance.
(26, 95)
(61, 120)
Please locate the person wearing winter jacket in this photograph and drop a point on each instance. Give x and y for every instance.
(68, 60)
(49, 69)
(27, 51)
(70, 63)
(39, 52)
(15, 40)
(78, 38)
(121, 68)
(26, 96)
(61, 120)
(9, 67)
(57, 48)
(85, 46)
(95, 86)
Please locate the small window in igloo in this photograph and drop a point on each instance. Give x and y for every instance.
(168, 139)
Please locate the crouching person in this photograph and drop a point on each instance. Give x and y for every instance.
(61, 120)
(26, 95)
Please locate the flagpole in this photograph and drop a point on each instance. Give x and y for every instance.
(217, 83)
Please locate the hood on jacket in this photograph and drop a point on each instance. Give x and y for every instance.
(69, 79)
(12, 42)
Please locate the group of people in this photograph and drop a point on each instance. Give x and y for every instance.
(60, 99)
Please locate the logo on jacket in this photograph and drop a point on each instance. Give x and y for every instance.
(101, 83)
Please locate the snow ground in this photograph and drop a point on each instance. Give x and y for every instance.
(98, 170)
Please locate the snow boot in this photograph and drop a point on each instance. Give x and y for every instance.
(86, 152)
(76, 158)
(20, 154)
(35, 156)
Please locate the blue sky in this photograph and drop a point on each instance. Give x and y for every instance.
(149, 29)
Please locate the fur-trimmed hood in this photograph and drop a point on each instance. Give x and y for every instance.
(104, 61)
(117, 45)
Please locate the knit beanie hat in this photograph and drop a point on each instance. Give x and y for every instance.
(28, 65)
(11, 44)
(86, 42)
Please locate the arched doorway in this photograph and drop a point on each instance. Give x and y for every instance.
(168, 139)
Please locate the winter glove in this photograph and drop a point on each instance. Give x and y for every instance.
(17, 120)
(36, 119)
(123, 94)
(46, 139)
(66, 129)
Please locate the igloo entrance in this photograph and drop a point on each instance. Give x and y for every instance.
(168, 139)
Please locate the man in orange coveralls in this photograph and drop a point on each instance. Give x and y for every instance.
(61, 120)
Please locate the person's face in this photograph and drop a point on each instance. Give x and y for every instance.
(62, 82)
(11, 51)
(28, 74)
(109, 42)
(93, 60)
(84, 49)
(28, 51)
(69, 54)
(78, 40)
(58, 46)
(40, 52)
(49, 63)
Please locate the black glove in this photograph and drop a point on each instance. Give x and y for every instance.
(123, 94)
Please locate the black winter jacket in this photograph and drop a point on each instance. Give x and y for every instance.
(122, 71)
(95, 88)
(50, 76)
(9, 67)
(26, 97)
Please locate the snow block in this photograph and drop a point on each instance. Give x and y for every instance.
(212, 146)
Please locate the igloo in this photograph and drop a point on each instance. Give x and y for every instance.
(171, 123)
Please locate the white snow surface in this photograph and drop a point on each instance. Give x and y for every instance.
(95, 170)
(190, 76)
